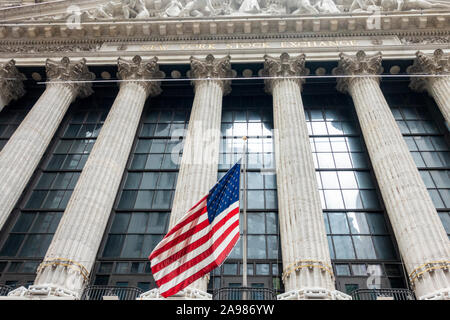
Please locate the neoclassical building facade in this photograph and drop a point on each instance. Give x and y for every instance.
(117, 116)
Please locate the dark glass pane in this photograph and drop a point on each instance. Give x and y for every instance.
(12, 245)
(46, 222)
(344, 248)
(376, 223)
(133, 180)
(364, 247)
(384, 248)
(113, 246)
(36, 245)
(256, 222)
(138, 222)
(157, 223)
(36, 199)
(23, 223)
(338, 222)
(46, 180)
(120, 224)
(256, 247)
(132, 246)
(127, 199)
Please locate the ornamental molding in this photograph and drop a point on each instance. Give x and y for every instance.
(140, 70)
(73, 74)
(11, 82)
(351, 67)
(97, 10)
(212, 69)
(229, 27)
(284, 67)
(437, 63)
(49, 48)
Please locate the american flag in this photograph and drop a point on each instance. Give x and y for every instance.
(201, 240)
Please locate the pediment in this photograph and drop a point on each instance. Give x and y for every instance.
(110, 10)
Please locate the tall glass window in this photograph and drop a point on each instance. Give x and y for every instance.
(248, 112)
(12, 115)
(33, 223)
(360, 239)
(141, 212)
(429, 142)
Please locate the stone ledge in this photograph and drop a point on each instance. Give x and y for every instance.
(314, 294)
(185, 294)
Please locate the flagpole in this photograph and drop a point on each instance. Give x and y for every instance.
(244, 231)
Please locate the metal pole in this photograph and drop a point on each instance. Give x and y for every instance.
(244, 231)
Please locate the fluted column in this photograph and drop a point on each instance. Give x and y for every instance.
(74, 247)
(199, 164)
(420, 235)
(21, 155)
(11, 83)
(307, 271)
(436, 68)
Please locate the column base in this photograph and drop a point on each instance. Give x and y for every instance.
(185, 294)
(41, 292)
(314, 294)
(443, 294)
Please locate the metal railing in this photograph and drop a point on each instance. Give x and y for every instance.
(244, 294)
(111, 293)
(383, 294)
(4, 290)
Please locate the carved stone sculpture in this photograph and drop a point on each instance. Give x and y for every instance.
(406, 5)
(198, 8)
(134, 9)
(327, 6)
(142, 9)
(250, 6)
(301, 7)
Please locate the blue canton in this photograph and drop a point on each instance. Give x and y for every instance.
(224, 193)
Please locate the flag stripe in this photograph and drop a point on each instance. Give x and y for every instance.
(199, 258)
(195, 247)
(197, 210)
(201, 240)
(160, 255)
(202, 272)
(208, 258)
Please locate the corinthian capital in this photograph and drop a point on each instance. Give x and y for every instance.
(284, 67)
(351, 67)
(144, 73)
(437, 64)
(11, 82)
(74, 74)
(210, 69)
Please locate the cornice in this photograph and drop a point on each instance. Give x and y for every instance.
(249, 27)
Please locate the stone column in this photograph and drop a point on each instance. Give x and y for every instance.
(72, 253)
(21, 155)
(307, 267)
(199, 164)
(11, 83)
(436, 68)
(420, 235)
